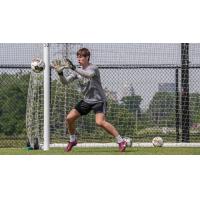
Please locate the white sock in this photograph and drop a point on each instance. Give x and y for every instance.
(72, 137)
(119, 139)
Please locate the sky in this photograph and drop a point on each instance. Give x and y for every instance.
(104, 53)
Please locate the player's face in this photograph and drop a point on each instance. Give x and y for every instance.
(83, 61)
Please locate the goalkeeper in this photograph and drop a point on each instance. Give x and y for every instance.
(88, 76)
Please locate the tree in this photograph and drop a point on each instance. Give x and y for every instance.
(13, 93)
(132, 103)
(121, 117)
(195, 108)
(162, 109)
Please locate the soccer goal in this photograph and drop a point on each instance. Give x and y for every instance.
(149, 90)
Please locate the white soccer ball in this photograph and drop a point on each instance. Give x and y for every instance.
(157, 142)
(37, 65)
(129, 141)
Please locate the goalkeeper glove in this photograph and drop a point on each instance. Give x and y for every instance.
(61, 64)
(58, 66)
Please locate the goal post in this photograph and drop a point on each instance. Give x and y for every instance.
(46, 97)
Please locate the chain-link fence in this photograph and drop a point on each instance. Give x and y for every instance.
(13, 94)
(143, 84)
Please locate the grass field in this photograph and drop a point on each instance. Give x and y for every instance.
(104, 151)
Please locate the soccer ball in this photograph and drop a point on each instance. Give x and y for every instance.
(157, 142)
(37, 65)
(129, 141)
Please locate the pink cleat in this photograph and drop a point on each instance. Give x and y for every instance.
(122, 146)
(70, 146)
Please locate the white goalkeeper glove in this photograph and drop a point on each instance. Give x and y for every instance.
(61, 64)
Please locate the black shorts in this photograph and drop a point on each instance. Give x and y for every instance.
(84, 108)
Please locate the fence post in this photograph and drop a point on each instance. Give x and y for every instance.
(177, 106)
(185, 92)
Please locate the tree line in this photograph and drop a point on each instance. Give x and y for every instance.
(126, 115)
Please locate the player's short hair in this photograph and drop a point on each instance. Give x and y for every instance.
(83, 52)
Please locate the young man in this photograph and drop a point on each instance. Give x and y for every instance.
(94, 98)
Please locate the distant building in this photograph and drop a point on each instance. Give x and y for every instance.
(166, 87)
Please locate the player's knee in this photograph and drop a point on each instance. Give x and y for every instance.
(69, 119)
(100, 123)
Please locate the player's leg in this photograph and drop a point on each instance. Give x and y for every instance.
(101, 121)
(100, 110)
(81, 108)
(70, 121)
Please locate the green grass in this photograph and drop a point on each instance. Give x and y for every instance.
(104, 151)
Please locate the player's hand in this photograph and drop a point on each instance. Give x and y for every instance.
(58, 65)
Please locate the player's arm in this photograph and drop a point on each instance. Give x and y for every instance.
(87, 74)
(66, 80)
